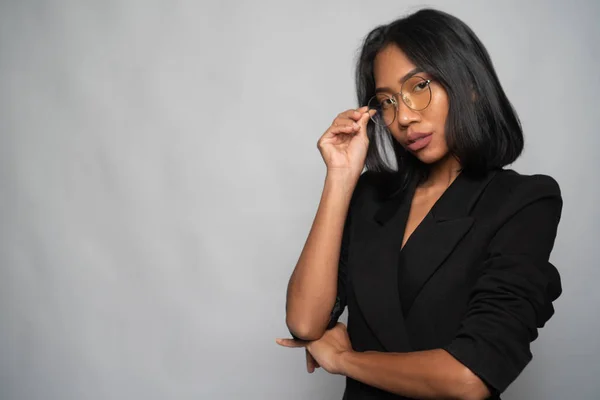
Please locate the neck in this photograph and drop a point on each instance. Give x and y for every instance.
(443, 173)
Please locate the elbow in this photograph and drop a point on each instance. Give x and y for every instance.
(303, 329)
(475, 395)
(471, 387)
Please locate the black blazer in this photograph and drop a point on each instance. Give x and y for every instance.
(474, 277)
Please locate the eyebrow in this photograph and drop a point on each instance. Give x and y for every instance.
(401, 80)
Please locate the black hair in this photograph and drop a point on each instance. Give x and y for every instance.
(482, 129)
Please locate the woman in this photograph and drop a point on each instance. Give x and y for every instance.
(441, 258)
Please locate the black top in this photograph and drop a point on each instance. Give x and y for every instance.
(473, 278)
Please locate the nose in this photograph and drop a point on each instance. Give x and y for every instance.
(405, 115)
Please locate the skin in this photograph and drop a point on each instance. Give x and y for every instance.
(429, 374)
(391, 65)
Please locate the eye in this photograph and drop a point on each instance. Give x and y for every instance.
(421, 86)
(387, 102)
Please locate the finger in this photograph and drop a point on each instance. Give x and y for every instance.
(358, 113)
(348, 128)
(310, 363)
(290, 343)
(313, 362)
(317, 365)
(364, 119)
(341, 121)
(351, 114)
(344, 121)
(312, 359)
(349, 125)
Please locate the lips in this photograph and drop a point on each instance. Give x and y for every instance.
(418, 141)
(416, 136)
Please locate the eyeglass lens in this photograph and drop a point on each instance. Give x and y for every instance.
(415, 93)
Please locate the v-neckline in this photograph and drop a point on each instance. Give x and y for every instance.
(407, 207)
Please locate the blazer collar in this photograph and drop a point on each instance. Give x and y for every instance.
(457, 201)
(377, 255)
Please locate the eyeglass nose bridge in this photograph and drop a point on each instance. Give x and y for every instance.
(405, 100)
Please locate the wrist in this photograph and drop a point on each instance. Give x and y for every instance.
(344, 361)
(343, 174)
(341, 179)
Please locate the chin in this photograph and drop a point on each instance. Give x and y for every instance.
(430, 156)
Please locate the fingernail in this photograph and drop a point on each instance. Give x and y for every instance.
(355, 125)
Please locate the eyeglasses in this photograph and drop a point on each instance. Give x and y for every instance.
(415, 93)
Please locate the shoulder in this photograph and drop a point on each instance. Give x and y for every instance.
(520, 185)
(511, 191)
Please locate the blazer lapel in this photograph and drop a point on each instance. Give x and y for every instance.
(375, 272)
(424, 253)
(376, 255)
(438, 234)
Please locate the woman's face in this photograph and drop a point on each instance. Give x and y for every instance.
(420, 132)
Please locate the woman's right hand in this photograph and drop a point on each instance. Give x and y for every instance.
(344, 144)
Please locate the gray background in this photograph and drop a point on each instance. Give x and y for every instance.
(159, 175)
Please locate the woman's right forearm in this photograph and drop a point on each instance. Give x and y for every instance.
(312, 287)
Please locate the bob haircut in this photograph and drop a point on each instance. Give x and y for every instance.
(482, 129)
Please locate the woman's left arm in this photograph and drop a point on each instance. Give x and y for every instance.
(513, 294)
(429, 374)
(511, 298)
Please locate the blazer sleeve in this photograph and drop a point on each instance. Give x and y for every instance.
(513, 294)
